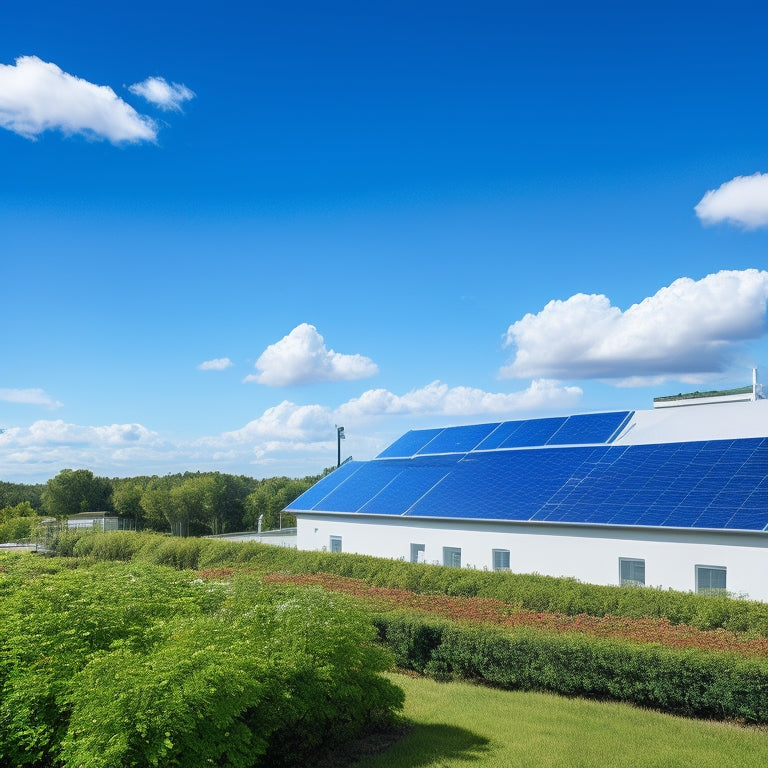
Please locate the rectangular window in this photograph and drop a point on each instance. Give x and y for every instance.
(500, 559)
(631, 572)
(335, 543)
(416, 551)
(710, 579)
(452, 557)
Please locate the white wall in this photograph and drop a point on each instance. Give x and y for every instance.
(590, 554)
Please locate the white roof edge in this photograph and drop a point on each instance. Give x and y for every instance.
(728, 420)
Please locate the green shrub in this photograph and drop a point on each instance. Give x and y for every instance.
(527, 591)
(688, 682)
(134, 664)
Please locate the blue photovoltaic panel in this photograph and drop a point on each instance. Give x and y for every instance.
(533, 432)
(502, 432)
(324, 486)
(707, 485)
(509, 485)
(407, 488)
(409, 444)
(360, 488)
(458, 439)
(588, 428)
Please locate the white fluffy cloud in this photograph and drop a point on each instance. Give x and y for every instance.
(287, 439)
(440, 399)
(688, 327)
(217, 364)
(742, 201)
(301, 357)
(168, 96)
(46, 447)
(36, 96)
(28, 397)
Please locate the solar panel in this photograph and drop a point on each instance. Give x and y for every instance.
(409, 444)
(533, 432)
(468, 472)
(324, 486)
(360, 487)
(589, 428)
(458, 439)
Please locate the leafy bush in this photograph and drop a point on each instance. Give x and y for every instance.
(528, 591)
(134, 664)
(689, 682)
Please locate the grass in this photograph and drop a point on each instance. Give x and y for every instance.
(460, 724)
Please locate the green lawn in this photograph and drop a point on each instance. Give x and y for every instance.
(459, 724)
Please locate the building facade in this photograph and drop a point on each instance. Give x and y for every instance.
(675, 497)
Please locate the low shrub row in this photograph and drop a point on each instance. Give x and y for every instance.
(524, 591)
(686, 682)
(118, 664)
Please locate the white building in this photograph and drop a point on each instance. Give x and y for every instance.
(675, 497)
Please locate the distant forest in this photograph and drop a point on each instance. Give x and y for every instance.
(186, 504)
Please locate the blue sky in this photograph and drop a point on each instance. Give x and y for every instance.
(226, 229)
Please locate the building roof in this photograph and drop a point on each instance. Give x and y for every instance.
(704, 468)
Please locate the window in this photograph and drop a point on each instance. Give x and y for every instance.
(416, 550)
(500, 559)
(335, 543)
(631, 572)
(452, 557)
(710, 579)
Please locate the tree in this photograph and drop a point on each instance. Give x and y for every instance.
(76, 490)
(156, 503)
(270, 498)
(126, 499)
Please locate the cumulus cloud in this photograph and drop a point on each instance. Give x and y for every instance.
(36, 96)
(440, 399)
(301, 357)
(47, 446)
(742, 201)
(167, 96)
(689, 327)
(28, 397)
(289, 438)
(217, 364)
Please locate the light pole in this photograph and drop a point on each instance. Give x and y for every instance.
(339, 437)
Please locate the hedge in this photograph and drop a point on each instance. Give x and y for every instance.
(689, 682)
(525, 591)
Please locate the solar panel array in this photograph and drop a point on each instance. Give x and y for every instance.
(667, 485)
(583, 429)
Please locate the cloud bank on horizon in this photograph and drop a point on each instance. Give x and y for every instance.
(38, 96)
(287, 431)
(742, 201)
(688, 328)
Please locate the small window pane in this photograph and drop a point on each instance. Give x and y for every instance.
(631, 572)
(416, 550)
(500, 559)
(710, 578)
(452, 557)
(335, 543)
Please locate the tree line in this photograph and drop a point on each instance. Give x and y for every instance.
(185, 504)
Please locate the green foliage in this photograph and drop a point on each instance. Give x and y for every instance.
(12, 494)
(524, 591)
(134, 664)
(76, 490)
(688, 682)
(269, 498)
(18, 529)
